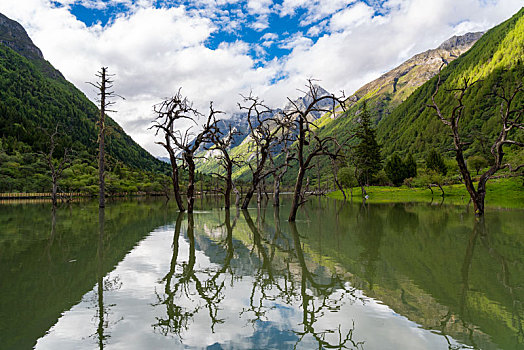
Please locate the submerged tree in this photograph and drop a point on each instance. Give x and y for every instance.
(56, 167)
(308, 143)
(264, 131)
(223, 143)
(168, 112)
(280, 169)
(510, 120)
(105, 93)
(173, 111)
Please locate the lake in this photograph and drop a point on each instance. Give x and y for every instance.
(139, 275)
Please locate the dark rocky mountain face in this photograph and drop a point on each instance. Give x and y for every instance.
(14, 36)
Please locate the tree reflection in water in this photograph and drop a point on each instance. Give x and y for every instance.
(464, 314)
(280, 277)
(190, 283)
(326, 297)
(103, 284)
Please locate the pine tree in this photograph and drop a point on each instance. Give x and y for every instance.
(435, 162)
(395, 170)
(367, 153)
(410, 166)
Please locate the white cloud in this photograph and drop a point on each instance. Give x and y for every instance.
(153, 51)
(269, 36)
(315, 10)
(296, 42)
(351, 17)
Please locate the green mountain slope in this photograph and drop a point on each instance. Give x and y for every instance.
(384, 94)
(496, 58)
(34, 95)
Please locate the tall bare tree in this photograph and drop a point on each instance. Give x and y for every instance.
(105, 93)
(309, 144)
(172, 111)
(169, 111)
(510, 120)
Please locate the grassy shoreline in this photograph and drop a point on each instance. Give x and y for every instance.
(500, 193)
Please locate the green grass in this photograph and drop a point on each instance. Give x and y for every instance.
(501, 193)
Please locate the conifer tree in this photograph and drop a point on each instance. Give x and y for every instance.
(435, 162)
(395, 170)
(367, 153)
(410, 166)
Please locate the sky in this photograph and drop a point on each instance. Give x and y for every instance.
(216, 50)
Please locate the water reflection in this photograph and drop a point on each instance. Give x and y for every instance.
(329, 297)
(398, 276)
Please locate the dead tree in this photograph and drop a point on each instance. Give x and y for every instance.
(308, 143)
(281, 170)
(510, 119)
(168, 112)
(56, 167)
(105, 93)
(189, 146)
(263, 135)
(175, 110)
(334, 165)
(222, 143)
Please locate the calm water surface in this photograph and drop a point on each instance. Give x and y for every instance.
(138, 275)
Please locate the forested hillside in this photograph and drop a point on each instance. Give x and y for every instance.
(495, 60)
(34, 100)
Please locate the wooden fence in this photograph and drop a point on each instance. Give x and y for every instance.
(47, 195)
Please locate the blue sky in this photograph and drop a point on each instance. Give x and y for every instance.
(218, 49)
(267, 25)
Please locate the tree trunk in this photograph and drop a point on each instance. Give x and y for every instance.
(176, 185)
(363, 189)
(441, 189)
(100, 277)
(55, 190)
(477, 196)
(247, 198)
(276, 192)
(191, 183)
(229, 186)
(297, 195)
(259, 195)
(318, 177)
(335, 178)
(101, 143)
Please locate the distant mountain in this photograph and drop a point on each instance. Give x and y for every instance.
(35, 96)
(242, 144)
(384, 94)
